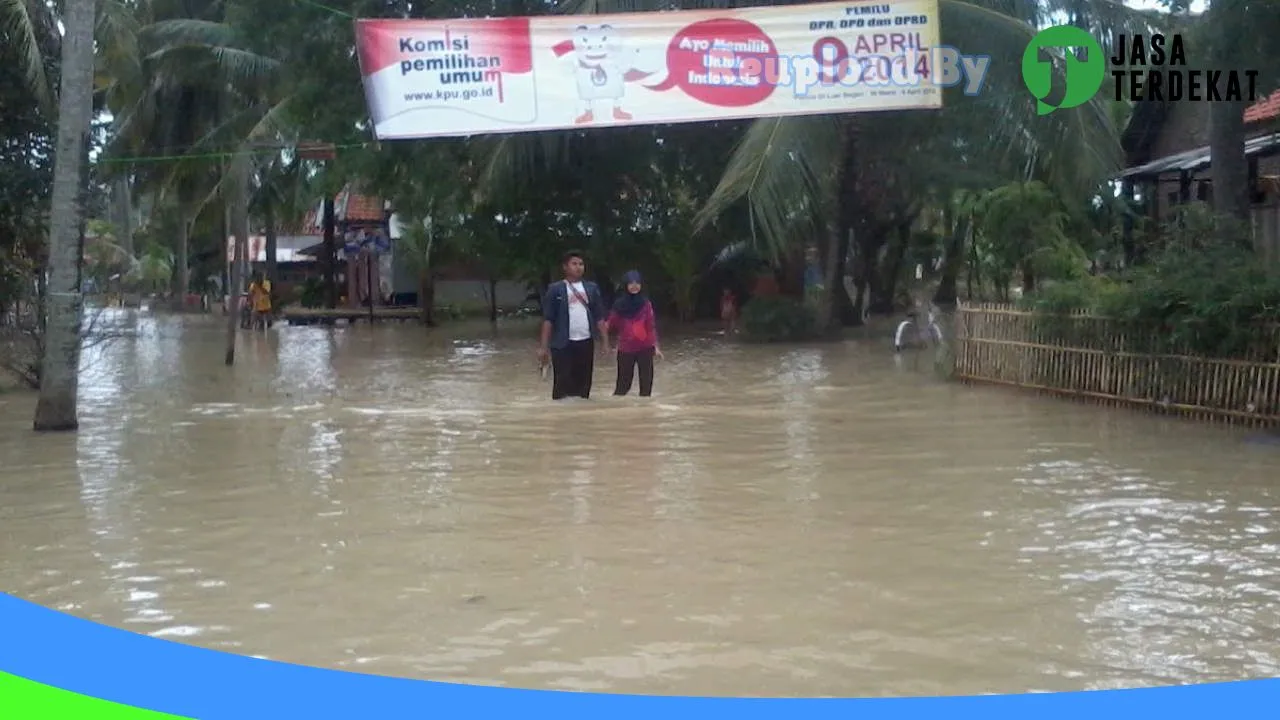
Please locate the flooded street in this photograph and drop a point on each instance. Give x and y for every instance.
(775, 521)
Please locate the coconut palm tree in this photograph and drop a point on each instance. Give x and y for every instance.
(60, 364)
(183, 87)
(32, 28)
(190, 87)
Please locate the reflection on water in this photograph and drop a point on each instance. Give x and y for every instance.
(774, 521)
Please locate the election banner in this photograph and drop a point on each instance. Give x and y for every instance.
(471, 76)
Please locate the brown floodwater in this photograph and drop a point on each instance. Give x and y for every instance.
(779, 521)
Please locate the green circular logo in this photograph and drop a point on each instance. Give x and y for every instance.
(1083, 78)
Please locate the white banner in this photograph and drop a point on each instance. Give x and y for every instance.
(434, 78)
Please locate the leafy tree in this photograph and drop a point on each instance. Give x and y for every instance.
(1025, 224)
(1241, 35)
(26, 166)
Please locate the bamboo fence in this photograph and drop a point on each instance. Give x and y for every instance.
(1103, 360)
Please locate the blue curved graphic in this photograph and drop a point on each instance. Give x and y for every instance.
(65, 652)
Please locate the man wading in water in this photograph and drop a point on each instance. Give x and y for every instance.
(571, 311)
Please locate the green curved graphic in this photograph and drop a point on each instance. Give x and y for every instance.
(1083, 76)
(22, 699)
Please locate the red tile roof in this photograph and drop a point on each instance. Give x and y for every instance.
(347, 207)
(358, 208)
(1267, 109)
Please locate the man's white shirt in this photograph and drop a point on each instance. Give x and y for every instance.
(579, 317)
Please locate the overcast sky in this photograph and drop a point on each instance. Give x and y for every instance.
(1197, 6)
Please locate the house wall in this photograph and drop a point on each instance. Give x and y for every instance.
(1266, 232)
(476, 293)
(404, 278)
(1185, 128)
(456, 284)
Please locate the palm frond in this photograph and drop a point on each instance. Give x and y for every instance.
(267, 124)
(27, 24)
(512, 164)
(1073, 149)
(779, 167)
(189, 31)
(118, 27)
(119, 58)
(191, 63)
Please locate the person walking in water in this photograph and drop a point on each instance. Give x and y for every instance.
(633, 318)
(260, 298)
(572, 311)
(729, 311)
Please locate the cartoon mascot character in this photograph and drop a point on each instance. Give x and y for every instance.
(601, 71)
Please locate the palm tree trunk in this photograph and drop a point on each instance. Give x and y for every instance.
(842, 308)
(427, 296)
(182, 274)
(60, 364)
(330, 252)
(948, 292)
(123, 208)
(882, 300)
(828, 251)
(843, 302)
(224, 233)
(1230, 168)
(272, 241)
(122, 204)
(424, 309)
(240, 226)
(868, 243)
(973, 274)
(493, 300)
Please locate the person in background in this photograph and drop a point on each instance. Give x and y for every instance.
(729, 311)
(571, 311)
(766, 284)
(260, 298)
(244, 301)
(633, 318)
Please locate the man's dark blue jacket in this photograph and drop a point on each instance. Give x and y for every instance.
(555, 309)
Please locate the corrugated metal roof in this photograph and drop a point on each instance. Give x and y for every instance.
(1200, 158)
(1148, 118)
(287, 248)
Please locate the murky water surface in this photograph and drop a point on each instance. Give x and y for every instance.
(775, 521)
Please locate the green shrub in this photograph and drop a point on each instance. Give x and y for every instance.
(1203, 291)
(311, 293)
(1065, 296)
(455, 313)
(778, 319)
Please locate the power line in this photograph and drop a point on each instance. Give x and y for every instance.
(335, 11)
(986, 98)
(216, 155)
